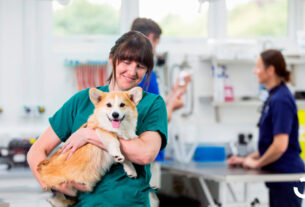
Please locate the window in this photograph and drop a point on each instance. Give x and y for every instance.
(177, 17)
(254, 18)
(90, 17)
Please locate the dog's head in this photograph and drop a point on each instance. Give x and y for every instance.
(116, 110)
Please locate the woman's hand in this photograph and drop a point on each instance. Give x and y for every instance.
(77, 140)
(250, 162)
(235, 160)
(68, 188)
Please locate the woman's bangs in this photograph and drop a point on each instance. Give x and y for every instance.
(138, 54)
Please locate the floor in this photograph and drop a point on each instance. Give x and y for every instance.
(19, 188)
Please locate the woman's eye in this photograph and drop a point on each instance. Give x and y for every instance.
(126, 61)
(141, 66)
(108, 104)
(122, 105)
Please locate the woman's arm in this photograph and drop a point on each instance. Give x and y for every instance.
(144, 149)
(254, 155)
(40, 150)
(236, 160)
(273, 153)
(44, 145)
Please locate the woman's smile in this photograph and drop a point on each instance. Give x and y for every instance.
(129, 74)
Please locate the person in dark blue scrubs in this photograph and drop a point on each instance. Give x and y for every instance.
(153, 32)
(278, 145)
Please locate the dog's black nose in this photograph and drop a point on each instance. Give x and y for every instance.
(115, 115)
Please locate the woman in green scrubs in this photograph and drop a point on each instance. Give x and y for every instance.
(131, 59)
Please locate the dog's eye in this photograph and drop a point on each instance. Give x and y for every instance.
(122, 105)
(108, 104)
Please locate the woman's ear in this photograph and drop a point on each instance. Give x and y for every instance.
(271, 70)
(135, 94)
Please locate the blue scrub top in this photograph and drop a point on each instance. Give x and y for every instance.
(153, 85)
(280, 117)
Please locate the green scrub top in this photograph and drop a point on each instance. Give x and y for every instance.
(115, 188)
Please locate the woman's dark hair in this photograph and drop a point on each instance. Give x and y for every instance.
(132, 46)
(275, 58)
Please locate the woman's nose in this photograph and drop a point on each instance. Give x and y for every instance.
(132, 70)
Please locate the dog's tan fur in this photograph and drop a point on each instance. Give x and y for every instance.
(89, 163)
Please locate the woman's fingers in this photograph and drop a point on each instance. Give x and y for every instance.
(73, 149)
(66, 147)
(80, 187)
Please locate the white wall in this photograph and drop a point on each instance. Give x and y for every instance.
(32, 72)
(25, 57)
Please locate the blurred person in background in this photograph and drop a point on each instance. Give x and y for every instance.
(174, 100)
(278, 145)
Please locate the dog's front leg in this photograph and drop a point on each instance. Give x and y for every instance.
(112, 145)
(129, 169)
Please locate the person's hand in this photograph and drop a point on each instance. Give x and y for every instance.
(182, 89)
(250, 162)
(76, 140)
(68, 188)
(175, 101)
(235, 160)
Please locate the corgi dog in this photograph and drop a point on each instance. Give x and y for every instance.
(115, 115)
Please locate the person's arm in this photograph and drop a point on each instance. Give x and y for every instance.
(173, 104)
(273, 153)
(254, 155)
(39, 151)
(236, 160)
(174, 100)
(144, 149)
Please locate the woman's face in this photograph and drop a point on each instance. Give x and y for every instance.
(129, 74)
(260, 71)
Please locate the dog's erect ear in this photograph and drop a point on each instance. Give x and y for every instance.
(95, 95)
(135, 94)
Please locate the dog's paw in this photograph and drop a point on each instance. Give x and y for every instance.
(118, 158)
(132, 174)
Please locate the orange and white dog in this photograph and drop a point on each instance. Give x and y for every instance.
(115, 115)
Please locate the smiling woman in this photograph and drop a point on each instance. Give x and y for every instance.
(131, 59)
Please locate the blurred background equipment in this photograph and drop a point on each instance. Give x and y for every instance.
(15, 153)
(89, 74)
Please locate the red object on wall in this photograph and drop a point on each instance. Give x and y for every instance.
(91, 75)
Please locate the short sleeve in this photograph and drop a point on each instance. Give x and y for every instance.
(156, 120)
(282, 117)
(62, 121)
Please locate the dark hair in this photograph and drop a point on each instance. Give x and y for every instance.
(132, 46)
(146, 26)
(275, 58)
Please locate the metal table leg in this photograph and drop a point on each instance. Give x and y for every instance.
(207, 192)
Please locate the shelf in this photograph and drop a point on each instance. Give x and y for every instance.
(300, 103)
(238, 103)
(224, 61)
